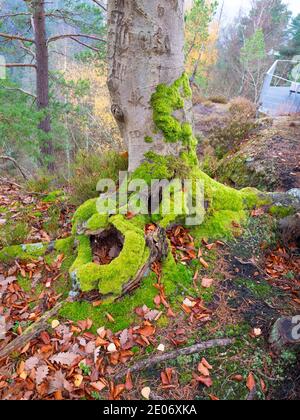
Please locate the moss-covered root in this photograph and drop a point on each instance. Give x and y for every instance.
(227, 208)
(111, 278)
(28, 252)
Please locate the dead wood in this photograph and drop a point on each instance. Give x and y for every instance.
(31, 332)
(154, 360)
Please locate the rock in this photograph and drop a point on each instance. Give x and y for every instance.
(289, 229)
(295, 192)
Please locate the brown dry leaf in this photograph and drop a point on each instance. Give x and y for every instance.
(251, 384)
(206, 364)
(213, 397)
(263, 386)
(204, 263)
(64, 358)
(41, 374)
(203, 370)
(44, 336)
(109, 317)
(207, 381)
(147, 330)
(237, 378)
(99, 386)
(207, 283)
(31, 363)
(128, 382)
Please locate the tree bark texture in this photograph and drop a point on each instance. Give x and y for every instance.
(145, 49)
(42, 69)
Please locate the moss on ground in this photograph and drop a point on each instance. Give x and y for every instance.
(23, 252)
(175, 279)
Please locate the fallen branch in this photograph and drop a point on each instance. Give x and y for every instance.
(31, 332)
(145, 364)
(9, 158)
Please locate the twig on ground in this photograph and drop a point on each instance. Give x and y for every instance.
(145, 364)
(10, 159)
(31, 332)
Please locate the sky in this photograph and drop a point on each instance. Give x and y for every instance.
(232, 7)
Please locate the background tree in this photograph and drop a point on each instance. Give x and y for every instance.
(293, 45)
(34, 45)
(199, 39)
(231, 76)
(253, 55)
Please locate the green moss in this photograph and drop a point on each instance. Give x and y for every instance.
(260, 289)
(84, 213)
(65, 246)
(22, 252)
(53, 196)
(97, 221)
(166, 100)
(109, 279)
(281, 212)
(148, 139)
(25, 283)
(122, 311)
(157, 167)
(163, 322)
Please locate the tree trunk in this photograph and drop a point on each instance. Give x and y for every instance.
(42, 82)
(146, 48)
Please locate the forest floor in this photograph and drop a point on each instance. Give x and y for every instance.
(239, 289)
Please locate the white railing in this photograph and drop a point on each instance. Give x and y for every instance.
(279, 93)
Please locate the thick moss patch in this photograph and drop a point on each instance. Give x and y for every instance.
(109, 279)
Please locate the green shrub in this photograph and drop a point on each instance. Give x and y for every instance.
(240, 123)
(90, 168)
(42, 183)
(51, 225)
(13, 233)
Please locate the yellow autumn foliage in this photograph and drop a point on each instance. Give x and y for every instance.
(99, 126)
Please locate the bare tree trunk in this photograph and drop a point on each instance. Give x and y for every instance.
(146, 48)
(42, 69)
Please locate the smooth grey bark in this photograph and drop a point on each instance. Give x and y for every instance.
(145, 49)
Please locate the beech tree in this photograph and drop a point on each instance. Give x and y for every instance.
(36, 50)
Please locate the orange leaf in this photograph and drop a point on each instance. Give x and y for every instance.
(203, 370)
(204, 263)
(205, 381)
(251, 384)
(128, 383)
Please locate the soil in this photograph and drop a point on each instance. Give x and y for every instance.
(272, 151)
